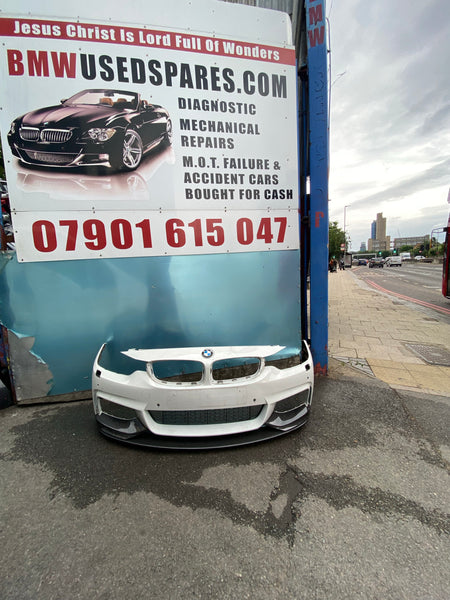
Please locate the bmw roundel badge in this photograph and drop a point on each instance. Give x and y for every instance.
(207, 353)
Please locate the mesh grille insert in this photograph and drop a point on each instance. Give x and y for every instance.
(49, 157)
(206, 417)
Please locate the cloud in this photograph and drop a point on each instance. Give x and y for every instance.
(436, 175)
(390, 111)
(436, 122)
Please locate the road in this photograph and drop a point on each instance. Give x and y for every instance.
(417, 283)
(353, 506)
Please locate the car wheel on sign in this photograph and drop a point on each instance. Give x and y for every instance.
(131, 151)
(168, 134)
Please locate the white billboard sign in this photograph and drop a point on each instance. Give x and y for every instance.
(127, 140)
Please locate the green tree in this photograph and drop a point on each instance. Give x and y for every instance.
(437, 249)
(336, 237)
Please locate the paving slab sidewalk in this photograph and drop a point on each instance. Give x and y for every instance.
(370, 332)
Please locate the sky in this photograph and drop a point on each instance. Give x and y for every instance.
(390, 115)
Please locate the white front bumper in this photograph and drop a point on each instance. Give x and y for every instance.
(144, 393)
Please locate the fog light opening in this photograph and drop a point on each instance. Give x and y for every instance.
(116, 410)
(294, 402)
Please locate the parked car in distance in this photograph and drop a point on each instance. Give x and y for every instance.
(393, 261)
(376, 262)
(421, 258)
(112, 128)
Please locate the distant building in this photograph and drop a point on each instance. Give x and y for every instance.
(379, 245)
(379, 240)
(411, 241)
(381, 227)
(363, 247)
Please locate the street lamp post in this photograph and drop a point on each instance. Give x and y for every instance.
(345, 215)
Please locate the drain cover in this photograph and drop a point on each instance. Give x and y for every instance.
(435, 355)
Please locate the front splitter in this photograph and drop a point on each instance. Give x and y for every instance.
(147, 439)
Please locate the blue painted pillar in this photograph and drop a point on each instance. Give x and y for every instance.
(318, 160)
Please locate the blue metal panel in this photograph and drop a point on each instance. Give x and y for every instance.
(318, 137)
(69, 309)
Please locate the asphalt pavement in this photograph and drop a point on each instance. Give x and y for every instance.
(354, 505)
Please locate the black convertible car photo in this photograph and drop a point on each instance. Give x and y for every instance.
(100, 127)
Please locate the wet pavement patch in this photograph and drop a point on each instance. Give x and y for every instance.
(434, 355)
(85, 467)
(342, 492)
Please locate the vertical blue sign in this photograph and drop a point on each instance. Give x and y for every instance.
(318, 136)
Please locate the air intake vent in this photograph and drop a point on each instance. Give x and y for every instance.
(51, 158)
(205, 417)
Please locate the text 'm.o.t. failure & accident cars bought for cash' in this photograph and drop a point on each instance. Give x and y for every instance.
(196, 398)
(100, 127)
